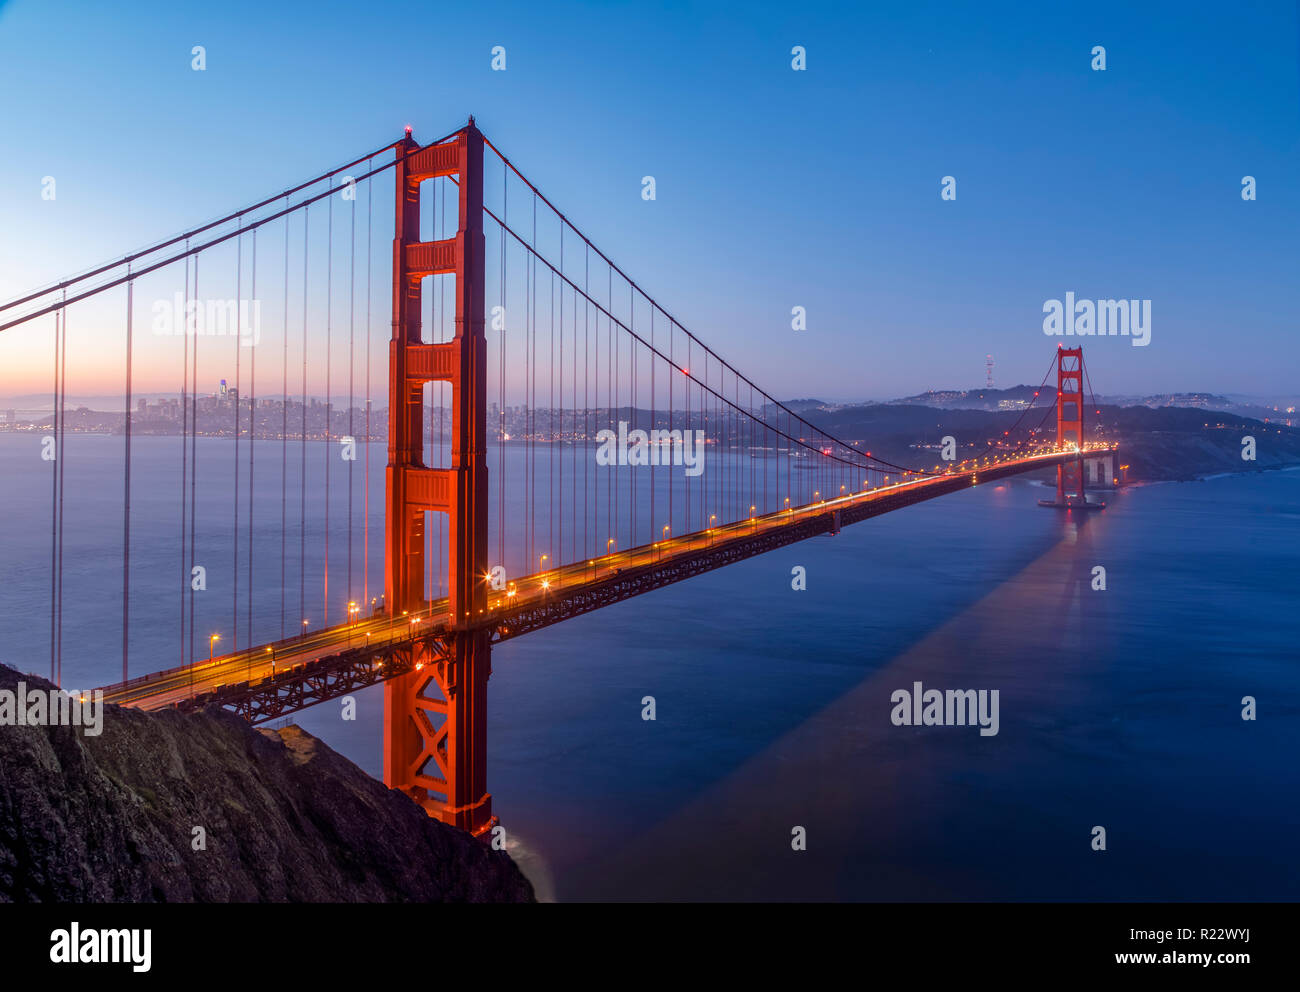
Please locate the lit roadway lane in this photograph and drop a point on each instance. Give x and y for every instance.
(255, 664)
(164, 688)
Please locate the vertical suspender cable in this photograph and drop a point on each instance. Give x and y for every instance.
(550, 424)
(632, 410)
(54, 503)
(526, 409)
(501, 389)
(365, 498)
(302, 470)
(239, 329)
(329, 325)
(60, 461)
(252, 426)
(284, 434)
(555, 439)
(126, 491)
(611, 360)
(194, 458)
(573, 435)
(352, 355)
(586, 401)
(185, 438)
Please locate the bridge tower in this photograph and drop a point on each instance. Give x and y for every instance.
(1069, 421)
(435, 733)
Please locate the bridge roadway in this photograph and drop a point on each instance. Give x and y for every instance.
(269, 680)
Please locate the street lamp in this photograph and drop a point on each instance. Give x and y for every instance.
(212, 639)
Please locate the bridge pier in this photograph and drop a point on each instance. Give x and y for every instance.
(1101, 470)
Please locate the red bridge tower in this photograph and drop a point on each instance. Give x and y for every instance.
(435, 745)
(1069, 422)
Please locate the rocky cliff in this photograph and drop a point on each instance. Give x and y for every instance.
(119, 818)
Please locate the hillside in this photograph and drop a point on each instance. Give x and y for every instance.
(1163, 443)
(112, 818)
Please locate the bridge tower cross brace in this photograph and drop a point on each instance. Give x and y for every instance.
(1069, 421)
(435, 733)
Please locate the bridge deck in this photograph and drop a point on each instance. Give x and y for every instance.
(269, 680)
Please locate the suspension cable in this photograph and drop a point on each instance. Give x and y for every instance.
(567, 223)
(126, 492)
(135, 256)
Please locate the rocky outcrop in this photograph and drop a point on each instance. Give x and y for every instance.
(119, 818)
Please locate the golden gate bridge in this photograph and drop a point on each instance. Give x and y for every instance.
(497, 298)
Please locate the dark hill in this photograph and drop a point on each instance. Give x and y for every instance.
(111, 819)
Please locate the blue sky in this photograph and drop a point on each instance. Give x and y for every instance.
(775, 188)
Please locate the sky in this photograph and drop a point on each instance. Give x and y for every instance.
(775, 188)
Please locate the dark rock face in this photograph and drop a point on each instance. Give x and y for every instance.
(111, 819)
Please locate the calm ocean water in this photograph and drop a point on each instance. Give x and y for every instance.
(1119, 708)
